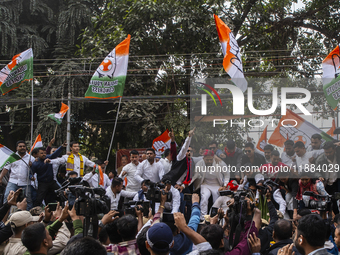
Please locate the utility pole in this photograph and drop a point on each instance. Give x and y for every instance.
(68, 136)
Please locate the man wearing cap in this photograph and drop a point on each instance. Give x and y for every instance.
(19, 221)
(159, 239)
(209, 176)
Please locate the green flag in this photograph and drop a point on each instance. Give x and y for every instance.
(332, 92)
(17, 71)
(7, 156)
(109, 79)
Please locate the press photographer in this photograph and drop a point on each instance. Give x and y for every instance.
(270, 189)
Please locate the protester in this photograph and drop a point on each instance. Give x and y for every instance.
(149, 169)
(252, 157)
(288, 154)
(93, 178)
(115, 191)
(20, 174)
(129, 171)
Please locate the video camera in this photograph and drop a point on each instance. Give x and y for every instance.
(88, 204)
(60, 192)
(321, 202)
(155, 190)
(268, 185)
(129, 207)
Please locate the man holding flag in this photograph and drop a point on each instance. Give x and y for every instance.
(75, 161)
(94, 178)
(20, 176)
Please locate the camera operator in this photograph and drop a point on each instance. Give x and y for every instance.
(172, 206)
(265, 234)
(115, 191)
(275, 196)
(140, 196)
(202, 244)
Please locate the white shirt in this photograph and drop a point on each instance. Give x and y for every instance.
(301, 162)
(315, 251)
(92, 179)
(19, 170)
(146, 171)
(115, 198)
(286, 159)
(176, 201)
(166, 165)
(132, 184)
(281, 202)
(63, 160)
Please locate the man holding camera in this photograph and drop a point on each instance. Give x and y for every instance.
(115, 191)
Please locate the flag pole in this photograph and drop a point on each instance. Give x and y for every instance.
(114, 130)
(55, 131)
(32, 112)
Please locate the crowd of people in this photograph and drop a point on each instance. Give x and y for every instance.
(207, 200)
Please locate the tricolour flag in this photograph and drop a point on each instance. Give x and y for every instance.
(297, 129)
(58, 117)
(263, 140)
(109, 79)
(20, 69)
(37, 144)
(7, 156)
(99, 171)
(161, 143)
(331, 77)
(331, 130)
(232, 61)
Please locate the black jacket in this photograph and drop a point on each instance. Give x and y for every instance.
(258, 160)
(265, 234)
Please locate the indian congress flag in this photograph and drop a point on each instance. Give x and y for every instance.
(331, 77)
(17, 71)
(109, 79)
(58, 117)
(7, 156)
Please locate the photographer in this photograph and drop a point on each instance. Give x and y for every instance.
(201, 243)
(182, 244)
(266, 189)
(172, 206)
(265, 234)
(140, 196)
(115, 191)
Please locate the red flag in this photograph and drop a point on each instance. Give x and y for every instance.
(263, 140)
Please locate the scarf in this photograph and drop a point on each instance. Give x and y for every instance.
(302, 188)
(229, 154)
(70, 164)
(188, 178)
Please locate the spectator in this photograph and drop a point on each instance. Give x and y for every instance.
(268, 149)
(84, 246)
(149, 169)
(37, 239)
(115, 191)
(311, 233)
(213, 146)
(282, 233)
(19, 221)
(159, 239)
(127, 228)
(182, 244)
(20, 173)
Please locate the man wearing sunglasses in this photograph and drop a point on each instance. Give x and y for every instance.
(252, 157)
